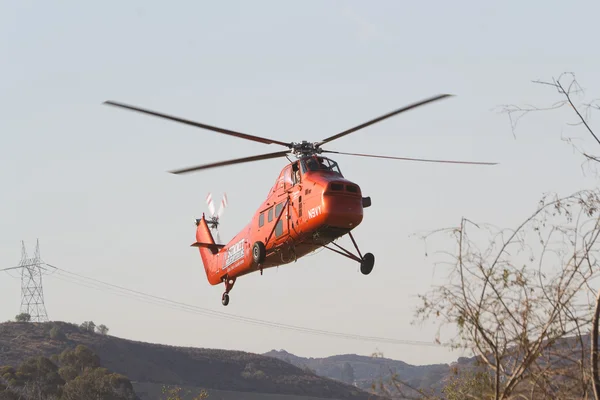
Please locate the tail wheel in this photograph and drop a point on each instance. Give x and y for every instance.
(258, 252)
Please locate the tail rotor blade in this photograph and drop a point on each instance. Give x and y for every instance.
(222, 206)
(211, 206)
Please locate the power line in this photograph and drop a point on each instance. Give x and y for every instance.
(82, 280)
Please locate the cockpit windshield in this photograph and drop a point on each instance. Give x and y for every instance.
(316, 163)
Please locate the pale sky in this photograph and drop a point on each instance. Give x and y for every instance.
(91, 181)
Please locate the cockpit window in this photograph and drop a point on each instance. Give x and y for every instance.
(320, 164)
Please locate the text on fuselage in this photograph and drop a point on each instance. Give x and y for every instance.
(313, 212)
(234, 253)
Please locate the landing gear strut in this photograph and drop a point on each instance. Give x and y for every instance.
(228, 286)
(366, 262)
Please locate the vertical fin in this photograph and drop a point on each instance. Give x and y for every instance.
(209, 259)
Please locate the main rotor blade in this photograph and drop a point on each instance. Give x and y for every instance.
(230, 162)
(200, 125)
(378, 119)
(412, 159)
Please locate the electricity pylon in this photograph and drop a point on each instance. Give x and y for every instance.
(32, 291)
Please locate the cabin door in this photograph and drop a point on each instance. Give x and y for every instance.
(294, 190)
(283, 225)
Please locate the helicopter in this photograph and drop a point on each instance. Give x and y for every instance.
(310, 205)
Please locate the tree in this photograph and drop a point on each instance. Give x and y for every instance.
(35, 378)
(569, 91)
(99, 383)
(88, 326)
(79, 377)
(521, 299)
(80, 359)
(57, 334)
(174, 393)
(23, 317)
(102, 329)
(467, 384)
(515, 302)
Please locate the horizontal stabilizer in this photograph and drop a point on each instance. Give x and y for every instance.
(213, 247)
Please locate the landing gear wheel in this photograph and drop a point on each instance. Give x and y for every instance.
(258, 252)
(366, 265)
(225, 299)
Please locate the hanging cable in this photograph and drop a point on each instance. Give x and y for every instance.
(93, 283)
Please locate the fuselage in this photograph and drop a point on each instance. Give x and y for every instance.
(310, 204)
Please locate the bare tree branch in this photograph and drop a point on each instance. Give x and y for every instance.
(510, 314)
(567, 90)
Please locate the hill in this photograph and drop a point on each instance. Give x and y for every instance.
(148, 365)
(364, 371)
(561, 362)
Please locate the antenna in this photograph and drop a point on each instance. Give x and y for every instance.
(32, 292)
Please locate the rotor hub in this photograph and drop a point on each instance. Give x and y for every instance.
(213, 222)
(305, 148)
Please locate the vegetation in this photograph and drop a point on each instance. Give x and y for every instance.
(521, 299)
(150, 366)
(467, 384)
(23, 317)
(57, 334)
(174, 393)
(102, 329)
(72, 375)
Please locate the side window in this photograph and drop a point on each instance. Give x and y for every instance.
(279, 226)
(270, 217)
(261, 219)
(278, 208)
(287, 177)
(295, 173)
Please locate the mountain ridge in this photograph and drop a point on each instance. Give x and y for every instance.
(364, 371)
(143, 362)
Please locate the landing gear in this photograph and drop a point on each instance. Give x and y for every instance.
(258, 252)
(228, 286)
(366, 263)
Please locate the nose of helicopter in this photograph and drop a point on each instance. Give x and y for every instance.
(343, 205)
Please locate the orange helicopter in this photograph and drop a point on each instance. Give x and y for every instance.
(310, 205)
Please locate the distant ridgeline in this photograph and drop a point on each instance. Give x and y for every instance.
(71, 361)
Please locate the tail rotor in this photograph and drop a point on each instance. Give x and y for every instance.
(213, 220)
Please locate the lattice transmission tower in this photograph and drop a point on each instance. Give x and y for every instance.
(32, 291)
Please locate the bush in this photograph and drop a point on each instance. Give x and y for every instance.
(23, 317)
(57, 334)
